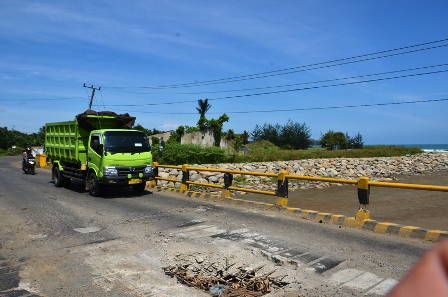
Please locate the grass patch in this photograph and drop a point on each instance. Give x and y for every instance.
(267, 152)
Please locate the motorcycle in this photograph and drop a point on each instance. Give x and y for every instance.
(29, 165)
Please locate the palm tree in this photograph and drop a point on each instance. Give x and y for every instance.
(203, 107)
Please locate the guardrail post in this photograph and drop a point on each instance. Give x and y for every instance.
(228, 179)
(282, 189)
(155, 169)
(363, 197)
(185, 178)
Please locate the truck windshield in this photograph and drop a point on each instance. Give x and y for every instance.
(125, 142)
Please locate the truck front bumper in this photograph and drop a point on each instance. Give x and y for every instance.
(126, 180)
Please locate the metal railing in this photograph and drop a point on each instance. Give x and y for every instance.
(364, 184)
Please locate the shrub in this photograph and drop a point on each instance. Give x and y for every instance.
(178, 154)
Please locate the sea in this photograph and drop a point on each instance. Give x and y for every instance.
(428, 147)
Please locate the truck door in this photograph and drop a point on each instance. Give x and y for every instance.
(95, 154)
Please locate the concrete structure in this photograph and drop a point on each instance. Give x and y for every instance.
(165, 135)
(204, 138)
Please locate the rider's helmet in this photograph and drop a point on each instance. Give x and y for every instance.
(28, 149)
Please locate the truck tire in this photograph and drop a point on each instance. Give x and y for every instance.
(94, 186)
(140, 188)
(59, 180)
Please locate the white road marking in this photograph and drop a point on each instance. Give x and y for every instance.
(384, 287)
(198, 231)
(344, 276)
(364, 281)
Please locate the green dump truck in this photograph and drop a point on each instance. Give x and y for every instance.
(100, 148)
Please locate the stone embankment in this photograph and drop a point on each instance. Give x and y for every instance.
(378, 169)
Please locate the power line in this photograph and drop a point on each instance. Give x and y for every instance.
(342, 107)
(304, 109)
(288, 85)
(43, 99)
(297, 68)
(268, 87)
(289, 90)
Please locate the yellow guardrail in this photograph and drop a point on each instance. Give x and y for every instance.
(364, 184)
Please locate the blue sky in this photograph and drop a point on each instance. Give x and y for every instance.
(155, 59)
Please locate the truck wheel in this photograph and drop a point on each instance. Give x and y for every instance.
(58, 178)
(94, 185)
(140, 188)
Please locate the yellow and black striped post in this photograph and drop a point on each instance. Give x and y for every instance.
(185, 178)
(282, 189)
(228, 179)
(155, 169)
(363, 197)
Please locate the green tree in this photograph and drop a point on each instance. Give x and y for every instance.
(176, 136)
(355, 142)
(203, 124)
(148, 132)
(268, 132)
(4, 141)
(204, 106)
(295, 135)
(143, 129)
(155, 141)
(217, 125)
(291, 135)
(189, 129)
(230, 134)
(238, 143)
(245, 137)
(334, 140)
(41, 136)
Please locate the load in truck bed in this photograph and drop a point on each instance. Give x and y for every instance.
(83, 119)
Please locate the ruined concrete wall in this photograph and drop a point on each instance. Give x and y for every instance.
(204, 138)
(196, 137)
(165, 136)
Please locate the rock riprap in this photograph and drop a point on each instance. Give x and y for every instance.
(377, 169)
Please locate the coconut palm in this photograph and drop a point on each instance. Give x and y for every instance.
(203, 107)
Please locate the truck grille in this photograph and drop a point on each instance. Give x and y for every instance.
(134, 170)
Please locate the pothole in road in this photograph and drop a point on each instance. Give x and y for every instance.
(223, 276)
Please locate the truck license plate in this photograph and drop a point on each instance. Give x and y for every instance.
(135, 181)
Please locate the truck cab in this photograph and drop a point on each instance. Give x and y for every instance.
(118, 158)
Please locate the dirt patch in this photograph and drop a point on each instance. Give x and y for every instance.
(425, 209)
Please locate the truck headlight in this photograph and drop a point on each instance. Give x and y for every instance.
(110, 171)
(148, 169)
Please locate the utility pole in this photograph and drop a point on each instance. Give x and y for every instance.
(93, 93)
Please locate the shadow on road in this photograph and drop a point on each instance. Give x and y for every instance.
(79, 186)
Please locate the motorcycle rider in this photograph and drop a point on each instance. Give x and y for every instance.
(26, 154)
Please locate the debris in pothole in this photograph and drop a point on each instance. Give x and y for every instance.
(228, 280)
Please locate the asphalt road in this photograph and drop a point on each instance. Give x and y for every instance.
(63, 242)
